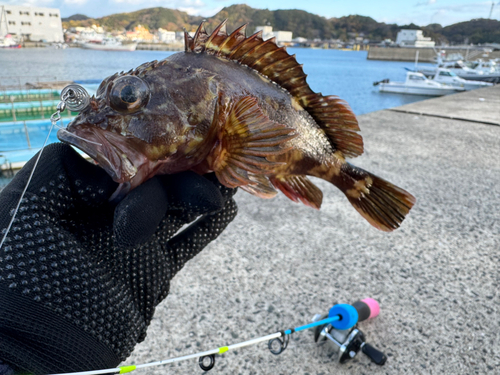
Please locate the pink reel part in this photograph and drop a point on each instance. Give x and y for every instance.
(373, 305)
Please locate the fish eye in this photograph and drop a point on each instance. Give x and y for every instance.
(128, 94)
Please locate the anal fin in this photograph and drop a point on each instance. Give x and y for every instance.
(247, 137)
(299, 188)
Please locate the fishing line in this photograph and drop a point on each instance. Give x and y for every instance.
(73, 97)
(27, 184)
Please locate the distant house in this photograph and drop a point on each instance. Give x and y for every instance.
(281, 36)
(414, 38)
(166, 36)
(140, 34)
(32, 23)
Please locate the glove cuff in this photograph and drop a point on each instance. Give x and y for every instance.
(36, 339)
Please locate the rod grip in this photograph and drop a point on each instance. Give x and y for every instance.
(366, 308)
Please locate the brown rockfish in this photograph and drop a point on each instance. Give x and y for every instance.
(237, 106)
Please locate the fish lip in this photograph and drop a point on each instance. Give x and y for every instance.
(99, 149)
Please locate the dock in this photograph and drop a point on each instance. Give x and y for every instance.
(436, 277)
(425, 54)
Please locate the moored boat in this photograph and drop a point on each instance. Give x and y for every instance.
(417, 84)
(109, 44)
(447, 77)
(475, 71)
(9, 42)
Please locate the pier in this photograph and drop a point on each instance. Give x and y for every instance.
(436, 278)
(424, 54)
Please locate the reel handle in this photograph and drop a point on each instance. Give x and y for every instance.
(374, 354)
(366, 308)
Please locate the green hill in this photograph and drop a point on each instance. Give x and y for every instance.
(151, 18)
(301, 23)
(475, 31)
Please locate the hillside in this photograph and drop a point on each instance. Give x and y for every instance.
(475, 31)
(151, 18)
(301, 23)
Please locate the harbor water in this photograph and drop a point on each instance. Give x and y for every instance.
(347, 74)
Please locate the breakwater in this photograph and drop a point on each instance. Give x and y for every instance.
(161, 46)
(424, 54)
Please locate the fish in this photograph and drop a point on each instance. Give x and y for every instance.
(237, 106)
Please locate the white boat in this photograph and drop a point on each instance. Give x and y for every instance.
(447, 77)
(417, 84)
(8, 42)
(109, 44)
(476, 71)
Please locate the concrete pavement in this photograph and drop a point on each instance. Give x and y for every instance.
(436, 278)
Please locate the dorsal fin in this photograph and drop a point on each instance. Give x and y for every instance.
(332, 114)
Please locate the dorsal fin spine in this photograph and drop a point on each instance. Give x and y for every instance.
(255, 49)
(245, 42)
(187, 41)
(235, 35)
(199, 30)
(268, 55)
(215, 33)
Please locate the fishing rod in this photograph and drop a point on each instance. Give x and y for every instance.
(337, 327)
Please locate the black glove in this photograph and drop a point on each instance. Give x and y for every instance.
(79, 277)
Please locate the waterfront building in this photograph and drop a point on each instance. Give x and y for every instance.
(31, 23)
(179, 36)
(140, 34)
(166, 36)
(93, 34)
(282, 37)
(413, 38)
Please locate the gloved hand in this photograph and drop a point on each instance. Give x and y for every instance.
(79, 277)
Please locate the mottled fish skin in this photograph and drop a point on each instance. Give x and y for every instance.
(212, 108)
(234, 81)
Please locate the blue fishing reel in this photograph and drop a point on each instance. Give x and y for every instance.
(343, 336)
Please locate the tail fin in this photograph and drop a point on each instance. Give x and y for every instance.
(383, 204)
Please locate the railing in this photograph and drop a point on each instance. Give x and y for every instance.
(32, 110)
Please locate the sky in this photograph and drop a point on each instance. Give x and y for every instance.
(420, 12)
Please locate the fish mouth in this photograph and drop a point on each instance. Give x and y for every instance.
(111, 151)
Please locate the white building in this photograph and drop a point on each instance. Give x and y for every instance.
(31, 23)
(268, 33)
(413, 38)
(166, 36)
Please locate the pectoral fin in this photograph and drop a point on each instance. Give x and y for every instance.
(246, 138)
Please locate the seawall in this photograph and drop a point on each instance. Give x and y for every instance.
(161, 46)
(424, 54)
